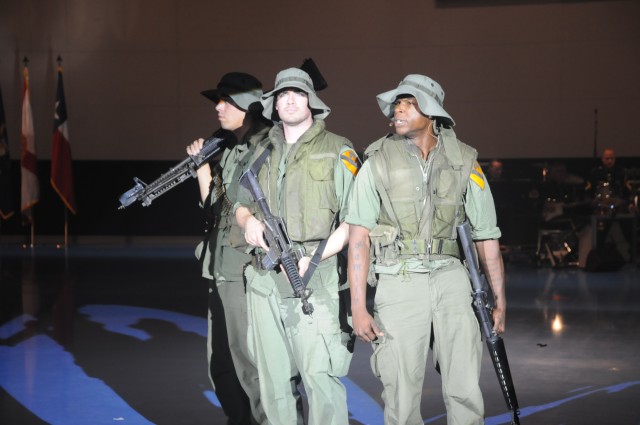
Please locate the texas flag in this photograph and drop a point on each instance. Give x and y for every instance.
(61, 172)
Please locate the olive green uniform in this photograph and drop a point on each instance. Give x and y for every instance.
(224, 263)
(306, 183)
(421, 281)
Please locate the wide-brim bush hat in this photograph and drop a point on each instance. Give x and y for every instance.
(294, 78)
(243, 89)
(427, 92)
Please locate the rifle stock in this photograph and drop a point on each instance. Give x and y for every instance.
(277, 238)
(482, 306)
(147, 193)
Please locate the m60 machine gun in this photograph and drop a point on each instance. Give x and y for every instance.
(147, 193)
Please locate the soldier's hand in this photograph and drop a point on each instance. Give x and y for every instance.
(303, 265)
(364, 327)
(254, 233)
(204, 172)
(498, 320)
(195, 147)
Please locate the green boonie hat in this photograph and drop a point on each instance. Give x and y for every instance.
(297, 79)
(427, 92)
(243, 89)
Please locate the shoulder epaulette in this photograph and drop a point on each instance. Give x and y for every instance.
(373, 147)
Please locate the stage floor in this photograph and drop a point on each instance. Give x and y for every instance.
(109, 334)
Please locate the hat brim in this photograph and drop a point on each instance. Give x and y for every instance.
(213, 95)
(428, 104)
(318, 108)
(242, 100)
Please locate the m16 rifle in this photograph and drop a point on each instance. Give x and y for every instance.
(483, 305)
(277, 238)
(147, 193)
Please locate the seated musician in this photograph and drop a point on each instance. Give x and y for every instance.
(610, 193)
(608, 186)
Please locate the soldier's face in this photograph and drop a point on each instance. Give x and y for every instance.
(293, 107)
(230, 117)
(408, 119)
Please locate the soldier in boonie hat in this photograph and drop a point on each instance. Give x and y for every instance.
(242, 89)
(305, 172)
(294, 78)
(427, 92)
(233, 374)
(417, 185)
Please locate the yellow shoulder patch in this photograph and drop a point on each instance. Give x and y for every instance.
(351, 161)
(477, 176)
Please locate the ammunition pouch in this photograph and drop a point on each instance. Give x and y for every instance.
(382, 236)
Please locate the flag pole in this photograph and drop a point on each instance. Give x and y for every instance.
(33, 233)
(28, 159)
(66, 214)
(61, 162)
(595, 133)
(32, 227)
(32, 219)
(66, 227)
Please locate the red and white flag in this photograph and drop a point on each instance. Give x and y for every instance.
(28, 160)
(61, 171)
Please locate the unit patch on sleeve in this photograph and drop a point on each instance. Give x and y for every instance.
(477, 176)
(350, 160)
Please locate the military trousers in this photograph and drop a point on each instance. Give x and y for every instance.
(234, 299)
(406, 307)
(232, 372)
(288, 345)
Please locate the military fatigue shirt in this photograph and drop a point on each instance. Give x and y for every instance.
(365, 203)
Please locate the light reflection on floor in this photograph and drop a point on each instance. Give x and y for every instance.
(116, 336)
